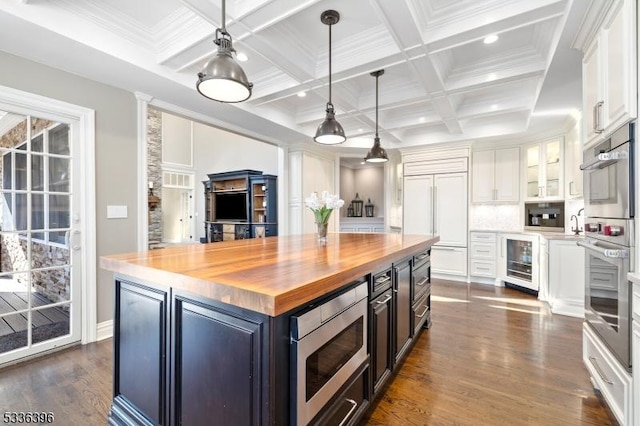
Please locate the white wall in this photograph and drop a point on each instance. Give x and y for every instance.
(116, 155)
(217, 151)
(367, 182)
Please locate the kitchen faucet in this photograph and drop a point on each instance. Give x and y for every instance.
(575, 230)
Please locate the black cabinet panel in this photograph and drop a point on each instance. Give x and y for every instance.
(217, 366)
(380, 338)
(402, 306)
(140, 347)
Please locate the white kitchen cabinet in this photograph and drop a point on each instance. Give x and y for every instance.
(544, 170)
(437, 204)
(573, 159)
(635, 354)
(566, 278)
(495, 175)
(607, 375)
(482, 254)
(609, 72)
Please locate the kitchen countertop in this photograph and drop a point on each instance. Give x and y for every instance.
(546, 235)
(268, 275)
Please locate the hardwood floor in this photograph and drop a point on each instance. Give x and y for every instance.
(493, 356)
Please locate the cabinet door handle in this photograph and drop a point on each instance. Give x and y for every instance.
(495, 194)
(604, 378)
(383, 279)
(354, 405)
(539, 192)
(435, 209)
(501, 246)
(424, 313)
(423, 281)
(423, 256)
(597, 110)
(382, 302)
(571, 187)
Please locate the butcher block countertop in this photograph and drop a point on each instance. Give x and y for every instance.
(268, 275)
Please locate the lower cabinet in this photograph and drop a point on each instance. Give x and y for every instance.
(140, 347)
(221, 372)
(449, 260)
(382, 356)
(566, 278)
(402, 307)
(180, 359)
(482, 254)
(607, 375)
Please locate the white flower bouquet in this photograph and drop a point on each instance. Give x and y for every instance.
(323, 205)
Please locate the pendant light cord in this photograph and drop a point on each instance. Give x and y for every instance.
(377, 76)
(224, 13)
(330, 103)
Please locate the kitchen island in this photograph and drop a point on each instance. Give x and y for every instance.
(202, 332)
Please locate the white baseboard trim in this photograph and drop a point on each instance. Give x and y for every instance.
(104, 330)
(568, 307)
(460, 278)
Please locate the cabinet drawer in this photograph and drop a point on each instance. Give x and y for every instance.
(380, 282)
(483, 268)
(449, 260)
(607, 374)
(348, 408)
(421, 280)
(420, 259)
(483, 250)
(487, 237)
(422, 312)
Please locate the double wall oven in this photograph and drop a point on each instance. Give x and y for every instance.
(609, 239)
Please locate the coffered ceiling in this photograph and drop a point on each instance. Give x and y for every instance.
(441, 83)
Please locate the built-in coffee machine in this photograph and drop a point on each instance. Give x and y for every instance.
(544, 217)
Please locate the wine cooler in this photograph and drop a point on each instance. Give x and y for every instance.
(519, 261)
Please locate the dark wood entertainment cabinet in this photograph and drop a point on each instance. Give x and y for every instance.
(202, 332)
(240, 204)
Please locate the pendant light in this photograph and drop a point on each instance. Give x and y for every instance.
(330, 132)
(222, 78)
(376, 154)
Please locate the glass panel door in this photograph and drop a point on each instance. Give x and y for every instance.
(552, 160)
(38, 308)
(533, 171)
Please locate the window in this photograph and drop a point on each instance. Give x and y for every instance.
(39, 177)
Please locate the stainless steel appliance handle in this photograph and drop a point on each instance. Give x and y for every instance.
(608, 253)
(354, 405)
(605, 159)
(382, 302)
(604, 378)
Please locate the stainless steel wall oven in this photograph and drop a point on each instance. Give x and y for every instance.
(608, 176)
(609, 198)
(609, 257)
(329, 344)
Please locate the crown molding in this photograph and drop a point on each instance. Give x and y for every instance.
(590, 24)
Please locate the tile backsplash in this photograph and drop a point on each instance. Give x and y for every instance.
(503, 217)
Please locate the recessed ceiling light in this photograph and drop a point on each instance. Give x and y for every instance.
(362, 162)
(242, 57)
(492, 38)
(361, 130)
(302, 94)
(494, 107)
(422, 119)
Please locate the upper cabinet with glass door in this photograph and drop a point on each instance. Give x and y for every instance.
(544, 171)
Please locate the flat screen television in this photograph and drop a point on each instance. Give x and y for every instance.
(231, 206)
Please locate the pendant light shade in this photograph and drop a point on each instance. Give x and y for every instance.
(330, 132)
(376, 154)
(222, 78)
